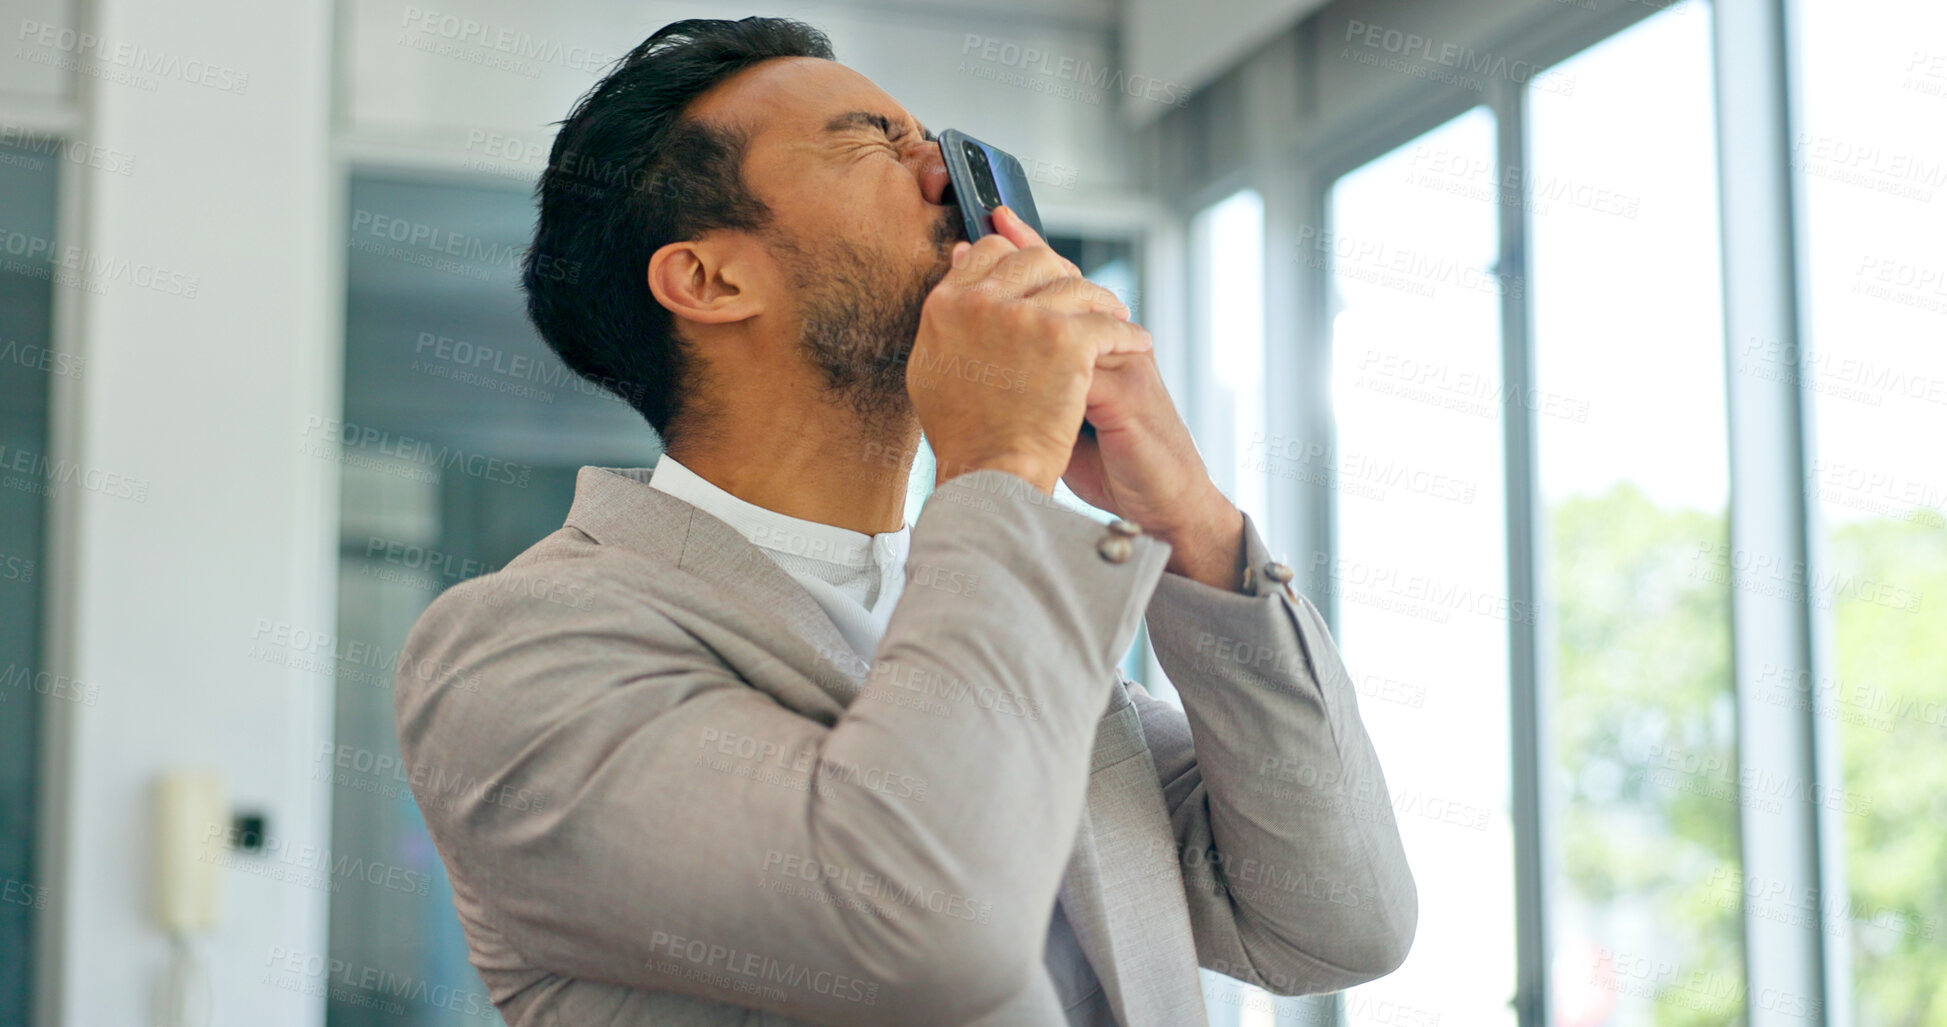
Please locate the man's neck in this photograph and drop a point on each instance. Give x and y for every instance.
(822, 466)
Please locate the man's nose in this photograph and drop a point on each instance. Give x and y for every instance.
(933, 180)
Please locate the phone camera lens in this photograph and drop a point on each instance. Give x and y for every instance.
(985, 190)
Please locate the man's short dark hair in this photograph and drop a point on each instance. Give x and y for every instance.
(630, 173)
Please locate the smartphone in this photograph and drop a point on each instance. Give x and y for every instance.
(984, 177)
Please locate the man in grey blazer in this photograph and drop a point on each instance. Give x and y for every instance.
(737, 745)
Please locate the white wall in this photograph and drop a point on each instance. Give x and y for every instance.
(206, 311)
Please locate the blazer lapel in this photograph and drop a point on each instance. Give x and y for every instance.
(1122, 879)
(725, 590)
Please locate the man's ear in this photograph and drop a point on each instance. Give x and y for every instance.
(705, 280)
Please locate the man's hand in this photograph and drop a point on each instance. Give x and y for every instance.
(1141, 463)
(1008, 342)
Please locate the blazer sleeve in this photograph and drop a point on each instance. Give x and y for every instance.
(682, 831)
(1291, 859)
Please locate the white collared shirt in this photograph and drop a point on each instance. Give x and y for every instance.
(856, 578)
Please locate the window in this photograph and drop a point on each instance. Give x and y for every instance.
(438, 352)
(1229, 384)
(28, 365)
(1871, 167)
(1629, 415)
(1419, 576)
(1229, 237)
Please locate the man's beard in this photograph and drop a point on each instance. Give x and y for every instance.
(860, 315)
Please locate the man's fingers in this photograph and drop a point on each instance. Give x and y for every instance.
(973, 261)
(1109, 334)
(1017, 231)
(1009, 271)
(1079, 296)
(1012, 262)
(1022, 234)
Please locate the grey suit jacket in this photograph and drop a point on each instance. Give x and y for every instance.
(667, 791)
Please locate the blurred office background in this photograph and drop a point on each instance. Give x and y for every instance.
(1587, 358)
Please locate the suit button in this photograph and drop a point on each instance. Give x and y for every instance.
(1114, 549)
(1277, 572)
(1125, 528)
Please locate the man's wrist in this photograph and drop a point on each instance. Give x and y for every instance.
(1212, 552)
